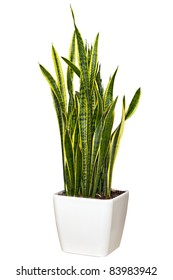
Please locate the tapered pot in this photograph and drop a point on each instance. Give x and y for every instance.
(90, 226)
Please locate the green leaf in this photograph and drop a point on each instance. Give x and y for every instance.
(59, 74)
(115, 142)
(54, 87)
(88, 51)
(78, 170)
(70, 74)
(71, 108)
(134, 103)
(72, 13)
(100, 104)
(105, 175)
(69, 157)
(73, 121)
(106, 134)
(82, 61)
(108, 96)
(72, 66)
(70, 86)
(83, 125)
(59, 114)
(104, 143)
(75, 136)
(68, 183)
(99, 81)
(93, 63)
(95, 149)
(62, 124)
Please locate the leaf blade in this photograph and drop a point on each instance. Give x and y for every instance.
(62, 125)
(69, 157)
(59, 74)
(104, 143)
(70, 72)
(72, 66)
(108, 96)
(83, 128)
(133, 104)
(54, 87)
(114, 146)
(93, 63)
(78, 170)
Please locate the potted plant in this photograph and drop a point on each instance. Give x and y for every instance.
(90, 215)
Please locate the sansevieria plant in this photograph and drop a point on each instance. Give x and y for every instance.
(89, 143)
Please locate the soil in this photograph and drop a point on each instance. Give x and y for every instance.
(114, 193)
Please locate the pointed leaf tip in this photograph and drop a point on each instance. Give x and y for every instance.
(124, 101)
(133, 104)
(72, 14)
(41, 66)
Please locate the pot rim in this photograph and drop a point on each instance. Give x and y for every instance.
(59, 194)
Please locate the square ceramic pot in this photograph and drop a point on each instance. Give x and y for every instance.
(90, 226)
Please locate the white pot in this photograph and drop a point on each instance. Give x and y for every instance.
(90, 226)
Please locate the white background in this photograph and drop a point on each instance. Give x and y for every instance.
(137, 36)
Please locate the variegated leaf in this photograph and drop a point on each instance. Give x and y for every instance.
(59, 74)
(104, 143)
(115, 142)
(54, 87)
(93, 63)
(108, 96)
(69, 157)
(133, 104)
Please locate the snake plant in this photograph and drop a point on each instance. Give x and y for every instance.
(88, 143)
